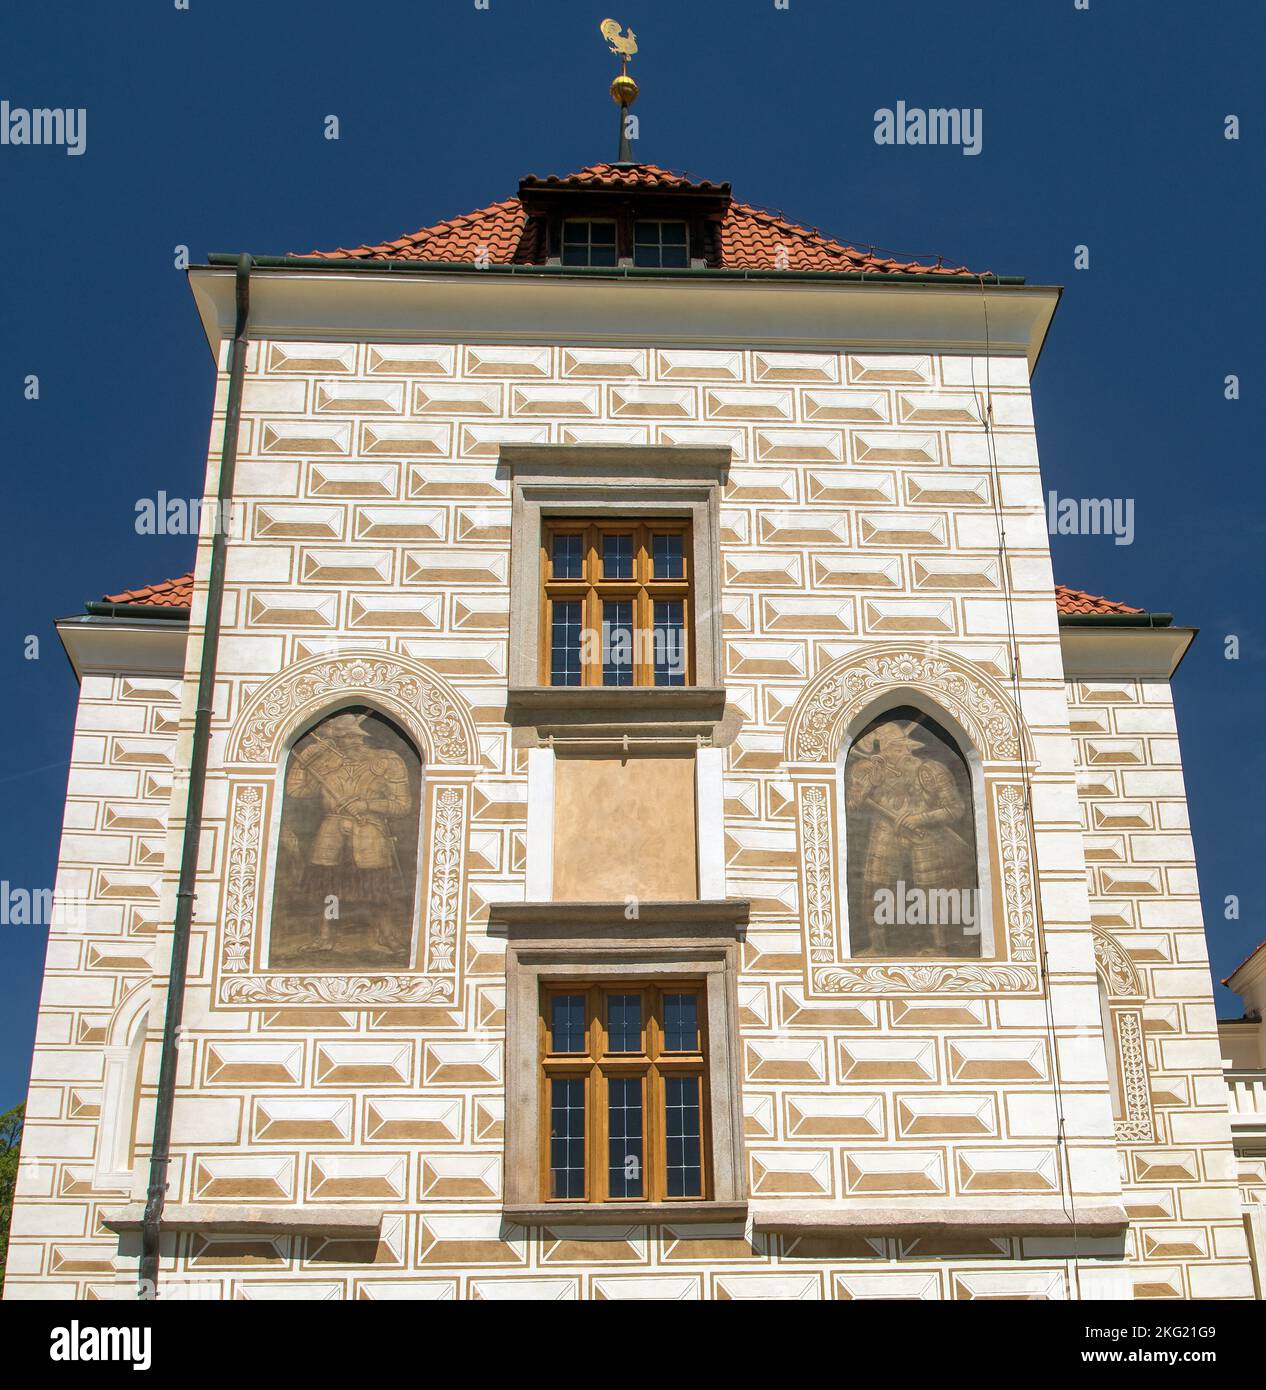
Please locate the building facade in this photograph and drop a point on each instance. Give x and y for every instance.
(663, 832)
(1244, 1057)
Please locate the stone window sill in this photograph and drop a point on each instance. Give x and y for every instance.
(246, 1220)
(610, 714)
(1033, 1218)
(609, 1213)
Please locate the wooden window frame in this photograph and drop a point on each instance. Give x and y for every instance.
(662, 222)
(593, 589)
(589, 223)
(598, 1065)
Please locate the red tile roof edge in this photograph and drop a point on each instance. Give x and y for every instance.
(178, 593)
(167, 593)
(1077, 602)
(1226, 979)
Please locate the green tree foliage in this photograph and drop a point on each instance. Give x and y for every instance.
(10, 1143)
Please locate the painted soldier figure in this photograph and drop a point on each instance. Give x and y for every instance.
(918, 824)
(351, 861)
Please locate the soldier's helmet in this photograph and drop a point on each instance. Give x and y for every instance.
(891, 740)
(349, 725)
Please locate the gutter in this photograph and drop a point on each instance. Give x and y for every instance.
(627, 272)
(136, 610)
(160, 1156)
(1116, 619)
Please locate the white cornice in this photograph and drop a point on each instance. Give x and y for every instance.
(1249, 977)
(1143, 653)
(439, 307)
(114, 646)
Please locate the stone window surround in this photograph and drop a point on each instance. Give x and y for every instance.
(596, 941)
(616, 481)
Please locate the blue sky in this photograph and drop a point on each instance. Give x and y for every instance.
(1101, 127)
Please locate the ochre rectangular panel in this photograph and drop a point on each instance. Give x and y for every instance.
(624, 828)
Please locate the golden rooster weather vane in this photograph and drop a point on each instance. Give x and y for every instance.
(623, 88)
(620, 45)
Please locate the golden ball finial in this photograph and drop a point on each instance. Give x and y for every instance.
(624, 90)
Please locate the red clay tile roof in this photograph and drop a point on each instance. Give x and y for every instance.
(169, 593)
(498, 227)
(1077, 602)
(750, 239)
(178, 593)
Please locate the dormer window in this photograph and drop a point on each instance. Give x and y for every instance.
(660, 245)
(589, 243)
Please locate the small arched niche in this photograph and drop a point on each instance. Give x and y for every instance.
(124, 1058)
(1111, 1048)
(345, 872)
(913, 829)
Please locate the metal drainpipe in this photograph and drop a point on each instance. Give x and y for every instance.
(160, 1155)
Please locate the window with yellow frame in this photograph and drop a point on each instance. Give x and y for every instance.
(615, 603)
(622, 1093)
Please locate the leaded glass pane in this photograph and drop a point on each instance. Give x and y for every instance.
(617, 642)
(567, 1137)
(569, 555)
(681, 1023)
(567, 1024)
(666, 555)
(681, 1127)
(617, 556)
(565, 644)
(670, 642)
(624, 1022)
(624, 1136)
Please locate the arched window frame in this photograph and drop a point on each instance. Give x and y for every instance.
(273, 839)
(440, 721)
(913, 698)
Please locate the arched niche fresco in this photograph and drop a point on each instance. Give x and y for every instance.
(345, 883)
(912, 862)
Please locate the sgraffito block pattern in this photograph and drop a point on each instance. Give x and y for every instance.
(97, 981)
(860, 521)
(1178, 1164)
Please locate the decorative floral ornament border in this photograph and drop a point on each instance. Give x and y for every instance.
(240, 983)
(815, 730)
(831, 974)
(1119, 972)
(425, 704)
(1136, 1125)
(1121, 978)
(441, 723)
(815, 735)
